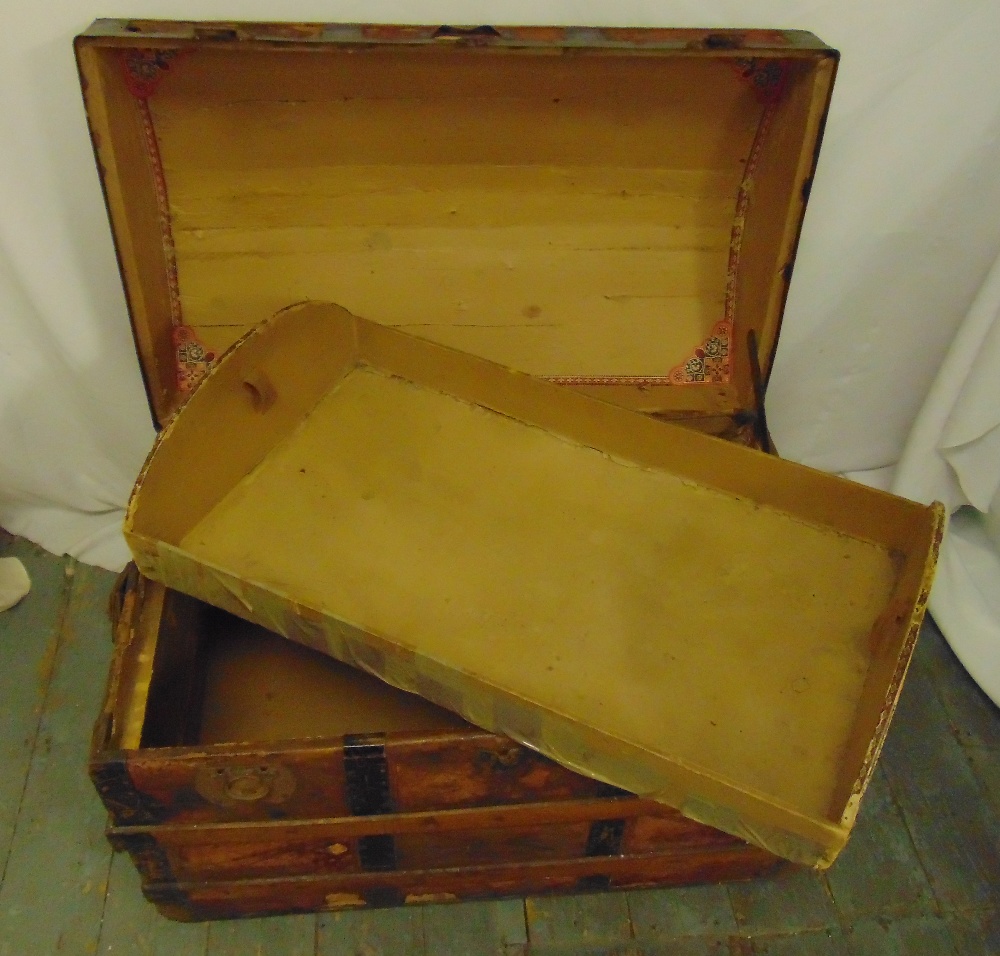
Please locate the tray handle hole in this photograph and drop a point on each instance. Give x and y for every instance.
(260, 392)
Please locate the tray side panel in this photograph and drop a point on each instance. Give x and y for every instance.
(892, 642)
(259, 395)
(813, 495)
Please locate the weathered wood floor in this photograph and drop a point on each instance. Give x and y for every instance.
(921, 876)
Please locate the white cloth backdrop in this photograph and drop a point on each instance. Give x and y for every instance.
(903, 227)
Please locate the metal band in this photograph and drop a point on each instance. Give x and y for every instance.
(377, 853)
(127, 806)
(605, 838)
(169, 896)
(149, 857)
(366, 776)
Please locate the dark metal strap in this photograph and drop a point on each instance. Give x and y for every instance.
(149, 857)
(128, 807)
(605, 838)
(759, 387)
(366, 776)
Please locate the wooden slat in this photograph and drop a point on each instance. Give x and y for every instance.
(172, 783)
(677, 118)
(685, 833)
(283, 936)
(53, 893)
(586, 919)
(29, 634)
(377, 889)
(518, 206)
(797, 900)
(475, 929)
(217, 77)
(879, 871)
(683, 911)
(479, 770)
(397, 932)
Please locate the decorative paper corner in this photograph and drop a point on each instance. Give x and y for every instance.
(709, 363)
(193, 359)
(145, 69)
(767, 77)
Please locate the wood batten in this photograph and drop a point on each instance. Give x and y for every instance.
(120, 131)
(775, 205)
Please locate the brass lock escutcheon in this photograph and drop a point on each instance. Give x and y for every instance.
(229, 786)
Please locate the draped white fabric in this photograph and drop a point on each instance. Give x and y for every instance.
(903, 227)
(954, 455)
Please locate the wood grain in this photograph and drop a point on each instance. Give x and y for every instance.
(29, 636)
(53, 894)
(131, 925)
(684, 911)
(952, 825)
(290, 936)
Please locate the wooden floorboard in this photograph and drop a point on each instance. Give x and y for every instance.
(29, 635)
(792, 902)
(921, 874)
(597, 919)
(281, 936)
(133, 926)
(389, 932)
(475, 929)
(879, 871)
(52, 897)
(953, 827)
(681, 911)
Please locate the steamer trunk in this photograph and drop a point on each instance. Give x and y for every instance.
(614, 211)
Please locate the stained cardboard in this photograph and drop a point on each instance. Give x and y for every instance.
(690, 620)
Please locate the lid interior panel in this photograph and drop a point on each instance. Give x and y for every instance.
(573, 216)
(533, 213)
